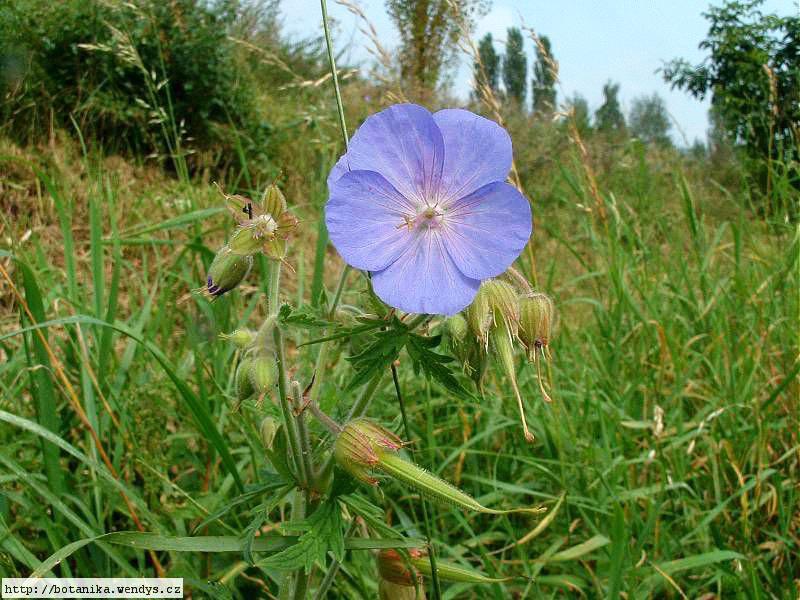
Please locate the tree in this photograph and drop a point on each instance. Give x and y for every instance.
(429, 33)
(515, 66)
(649, 120)
(579, 108)
(752, 73)
(487, 72)
(609, 118)
(543, 85)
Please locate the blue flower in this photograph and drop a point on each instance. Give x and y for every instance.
(420, 201)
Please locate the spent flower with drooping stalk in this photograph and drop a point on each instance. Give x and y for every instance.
(494, 319)
(420, 201)
(537, 324)
(264, 228)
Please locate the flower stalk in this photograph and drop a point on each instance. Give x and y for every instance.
(295, 446)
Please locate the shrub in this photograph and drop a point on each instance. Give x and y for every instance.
(145, 76)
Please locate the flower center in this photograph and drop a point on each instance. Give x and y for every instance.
(429, 218)
(263, 225)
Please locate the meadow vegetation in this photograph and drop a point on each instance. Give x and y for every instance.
(668, 459)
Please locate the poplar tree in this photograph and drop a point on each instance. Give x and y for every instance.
(515, 66)
(487, 73)
(543, 85)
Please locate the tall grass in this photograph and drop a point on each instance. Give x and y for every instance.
(673, 432)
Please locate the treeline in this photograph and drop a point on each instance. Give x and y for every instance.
(648, 119)
(751, 73)
(213, 85)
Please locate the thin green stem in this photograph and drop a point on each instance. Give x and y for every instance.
(273, 290)
(437, 591)
(329, 424)
(361, 405)
(334, 73)
(300, 578)
(302, 431)
(293, 435)
(338, 294)
(291, 424)
(322, 355)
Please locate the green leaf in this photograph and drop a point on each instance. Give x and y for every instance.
(683, 564)
(250, 494)
(303, 317)
(378, 355)
(432, 364)
(278, 455)
(175, 222)
(42, 387)
(322, 532)
(211, 544)
(586, 547)
(619, 541)
(372, 515)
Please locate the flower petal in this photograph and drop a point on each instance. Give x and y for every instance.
(365, 219)
(486, 231)
(341, 167)
(477, 152)
(425, 279)
(403, 144)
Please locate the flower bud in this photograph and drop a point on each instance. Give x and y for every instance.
(244, 379)
(457, 329)
(494, 318)
(537, 314)
(243, 338)
(479, 316)
(397, 579)
(263, 373)
(495, 306)
(393, 591)
(394, 567)
(358, 446)
(226, 272)
(458, 340)
(267, 430)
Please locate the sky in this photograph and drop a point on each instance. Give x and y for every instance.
(593, 41)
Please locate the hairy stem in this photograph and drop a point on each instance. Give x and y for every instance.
(300, 577)
(437, 591)
(302, 431)
(283, 383)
